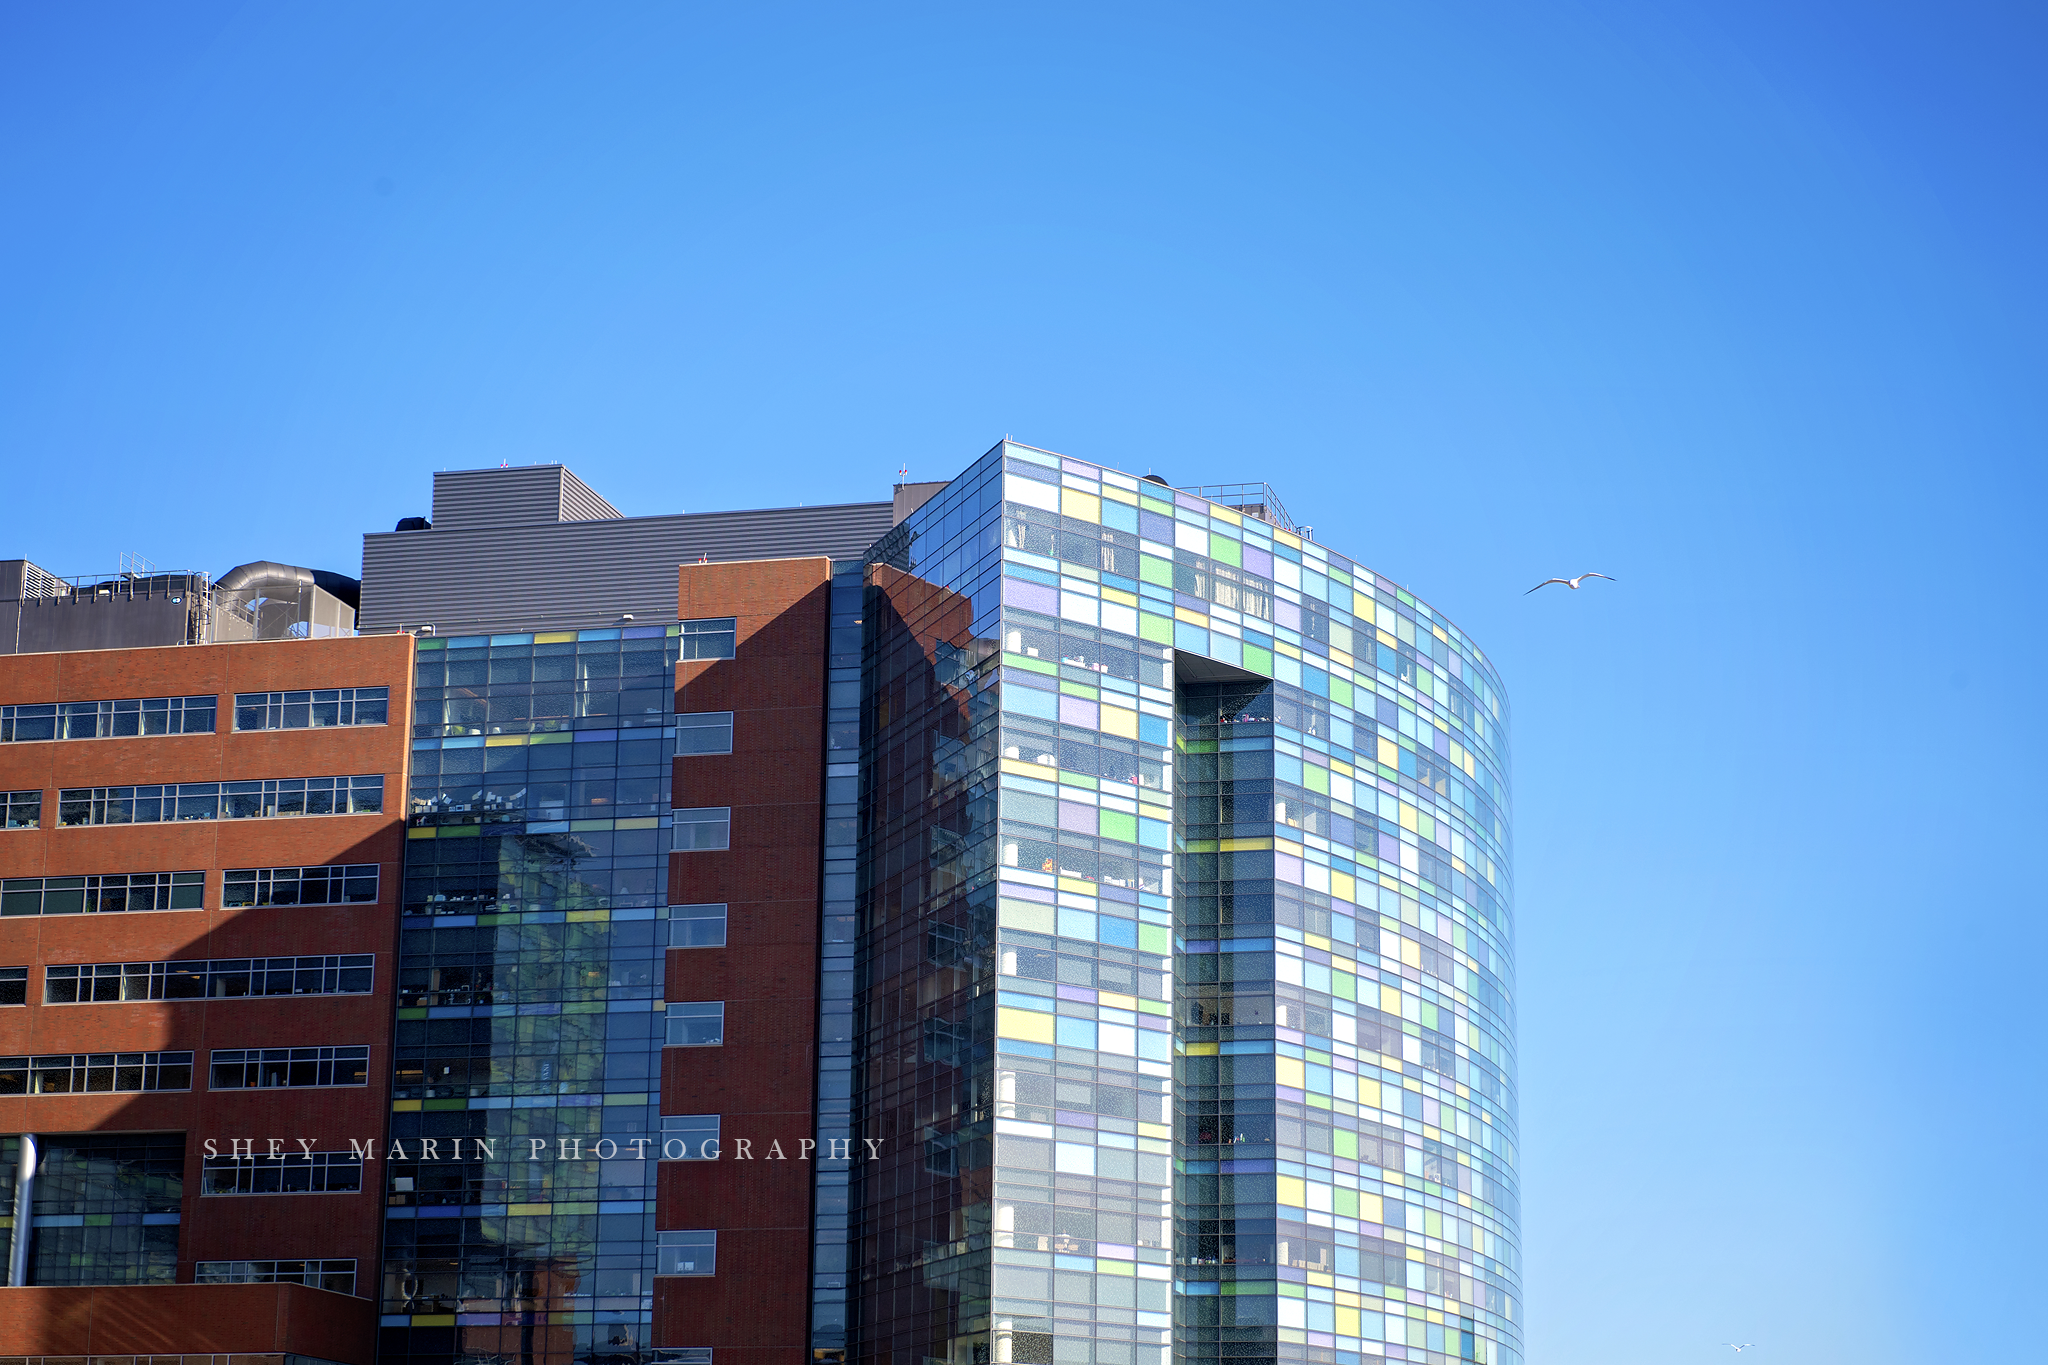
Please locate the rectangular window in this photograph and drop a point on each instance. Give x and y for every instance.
(696, 926)
(686, 1253)
(272, 1068)
(81, 1073)
(215, 979)
(704, 732)
(220, 800)
(314, 710)
(106, 894)
(689, 1137)
(698, 1023)
(336, 1276)
(108, 719)
(337, 884)
(706, 828)
(21, 810)
(13, 985)
(292, 1173)
(711, 638)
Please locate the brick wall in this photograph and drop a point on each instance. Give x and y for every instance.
(756, 1309)
(244, 1227)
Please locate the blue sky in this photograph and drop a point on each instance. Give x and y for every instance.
(1741, 303)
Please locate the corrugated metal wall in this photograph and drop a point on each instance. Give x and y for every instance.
(528, 495)
(581, 502)
(489, 574)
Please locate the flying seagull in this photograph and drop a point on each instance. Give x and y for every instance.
(1573, 584)
(1739, 1349)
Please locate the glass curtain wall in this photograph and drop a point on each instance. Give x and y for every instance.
(530, 984)
(1327, 909)
(926, 896)
(107, 1207)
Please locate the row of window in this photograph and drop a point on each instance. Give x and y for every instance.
(207, 979)
(293, 1173)
(109, 893)
(90, 1072)
(315, 709)
(358, 795)
(336, 1276)
(269, 1068)
(361, 795)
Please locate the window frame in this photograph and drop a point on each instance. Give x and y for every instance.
(677, 823)
(157, 978)
(707, 631)
(21, 1075)
(675, 1013)
(319, 1168)
(24, 800)
(92, 889)
(675, 921)
(308, 1276)
(704, 1237)
(259, 1062)
(714, 726)
(106, 717)
(696, 1135)
(265, 880)
(275, 708)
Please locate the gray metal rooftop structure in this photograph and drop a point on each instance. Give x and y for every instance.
(535, 548)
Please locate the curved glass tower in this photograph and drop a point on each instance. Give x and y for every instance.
(1185, 990)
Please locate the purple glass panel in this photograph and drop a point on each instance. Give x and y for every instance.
(1080, 711)
(1259, 561)
(1152, 526)
(1031, 596)
(1077, 819)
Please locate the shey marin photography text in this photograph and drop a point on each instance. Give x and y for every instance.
(690, 1147)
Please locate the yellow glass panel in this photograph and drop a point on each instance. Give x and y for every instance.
(1293, 1191)
(1289, 1071)
(1117, 721)
(1344, 886)
(1025, 1025)
(1390, 753)
(1086, 506)
(1372, 1208)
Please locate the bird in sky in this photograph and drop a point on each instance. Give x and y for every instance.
(1739, 1348)
(1573, 584)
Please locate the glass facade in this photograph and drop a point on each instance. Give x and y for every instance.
(1131, 760)
(530, 984)
(106, 1207)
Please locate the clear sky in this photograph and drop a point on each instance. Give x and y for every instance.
(1739, 302)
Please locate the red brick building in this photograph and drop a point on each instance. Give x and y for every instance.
(199, 875)
(762, 1081)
